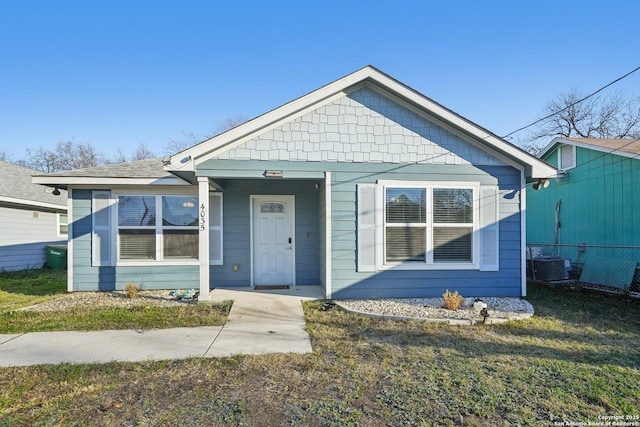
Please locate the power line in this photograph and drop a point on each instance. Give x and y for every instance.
(571, 105)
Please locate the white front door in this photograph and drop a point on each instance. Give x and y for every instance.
(273, 244)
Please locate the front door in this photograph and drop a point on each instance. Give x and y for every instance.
(273, 245)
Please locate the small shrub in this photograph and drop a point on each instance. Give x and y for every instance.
(452, 300)
(132, 290)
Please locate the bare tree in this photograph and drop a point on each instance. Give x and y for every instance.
(4, 156)
(142, 152)
(613, 116)
(66, 155)
(189, 139)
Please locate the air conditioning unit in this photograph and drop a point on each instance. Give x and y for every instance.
(551, 268)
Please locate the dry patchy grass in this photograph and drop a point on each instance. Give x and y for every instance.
(577, 359)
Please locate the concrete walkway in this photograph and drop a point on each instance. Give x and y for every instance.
(260, 322)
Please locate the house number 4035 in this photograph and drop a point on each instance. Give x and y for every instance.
(203, 217)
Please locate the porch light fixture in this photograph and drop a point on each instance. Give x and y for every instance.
(541, 183)
(273, 174)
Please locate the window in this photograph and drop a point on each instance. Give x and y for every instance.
(452, 225)
(157, 227)
(430, 225)
(406, 224)
(566, 157)
(63, 225)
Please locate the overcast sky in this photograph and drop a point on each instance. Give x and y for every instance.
(120, 73)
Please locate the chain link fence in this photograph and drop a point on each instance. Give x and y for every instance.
(601, 267)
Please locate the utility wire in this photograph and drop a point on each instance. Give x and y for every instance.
(571, 105)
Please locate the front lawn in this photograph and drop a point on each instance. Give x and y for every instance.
(575, 361)
(25, 288)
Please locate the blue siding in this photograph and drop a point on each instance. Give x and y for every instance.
(236, 230)
(349, 283)
(89, 278)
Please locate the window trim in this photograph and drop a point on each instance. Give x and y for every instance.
(428, 264)
(59, 224)
(561, 165)
(159, 235)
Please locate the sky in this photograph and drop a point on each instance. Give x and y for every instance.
(120, 73)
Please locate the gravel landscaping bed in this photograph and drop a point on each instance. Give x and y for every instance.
(72, 300)
(499, 309)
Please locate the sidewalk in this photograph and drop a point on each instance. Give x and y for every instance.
(260, 322)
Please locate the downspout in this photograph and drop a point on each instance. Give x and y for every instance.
(556, 239)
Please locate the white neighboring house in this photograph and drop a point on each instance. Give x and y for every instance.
(31, 217)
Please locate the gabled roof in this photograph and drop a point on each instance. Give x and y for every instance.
(187, 160)
(18, 189)
(148, 171)
(625, 147)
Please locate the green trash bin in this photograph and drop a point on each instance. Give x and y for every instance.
(56, 257)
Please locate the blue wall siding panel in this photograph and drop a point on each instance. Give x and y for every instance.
(237, 226)
(93, 278)
(348, 283)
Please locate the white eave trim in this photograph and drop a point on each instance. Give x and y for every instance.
(187, 160)
(33, 203)
(57, 180)
(560, 140)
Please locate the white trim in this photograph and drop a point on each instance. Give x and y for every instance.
(428, 264)
(561, 166)
(32, 203)
(58, 223)
(257, 132)
(485, 226)
(87, 180)
(327, 235)
(290, 199)
(69, 240)
(523, 235)
(96, 251)
(203, 243)
(186, 160)
(560, 140)
(214, 228)
(158, 228)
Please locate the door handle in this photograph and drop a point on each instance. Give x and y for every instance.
(290, 240)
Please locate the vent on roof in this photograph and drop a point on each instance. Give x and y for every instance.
(566, 157)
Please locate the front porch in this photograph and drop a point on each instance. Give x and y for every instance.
(271, 231)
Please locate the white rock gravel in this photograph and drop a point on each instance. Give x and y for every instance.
(109, 299)
(499, 309)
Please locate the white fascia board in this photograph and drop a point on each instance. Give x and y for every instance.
(539, 168)
(266, 119)
(52, 180)
(553, 143)
(23, 202)
(589, 147)
(188, 159)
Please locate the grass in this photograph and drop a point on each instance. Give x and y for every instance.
(24, 288)
(577, 359)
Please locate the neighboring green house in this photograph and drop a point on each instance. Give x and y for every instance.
(589, 214)
(364, 186)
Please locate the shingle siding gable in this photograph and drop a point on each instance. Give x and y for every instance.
(363, 127)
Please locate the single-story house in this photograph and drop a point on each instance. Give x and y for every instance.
(588, 215)
(30, 218)
(364, 187)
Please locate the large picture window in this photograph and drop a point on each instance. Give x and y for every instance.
(429, 224)
(157, 227)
